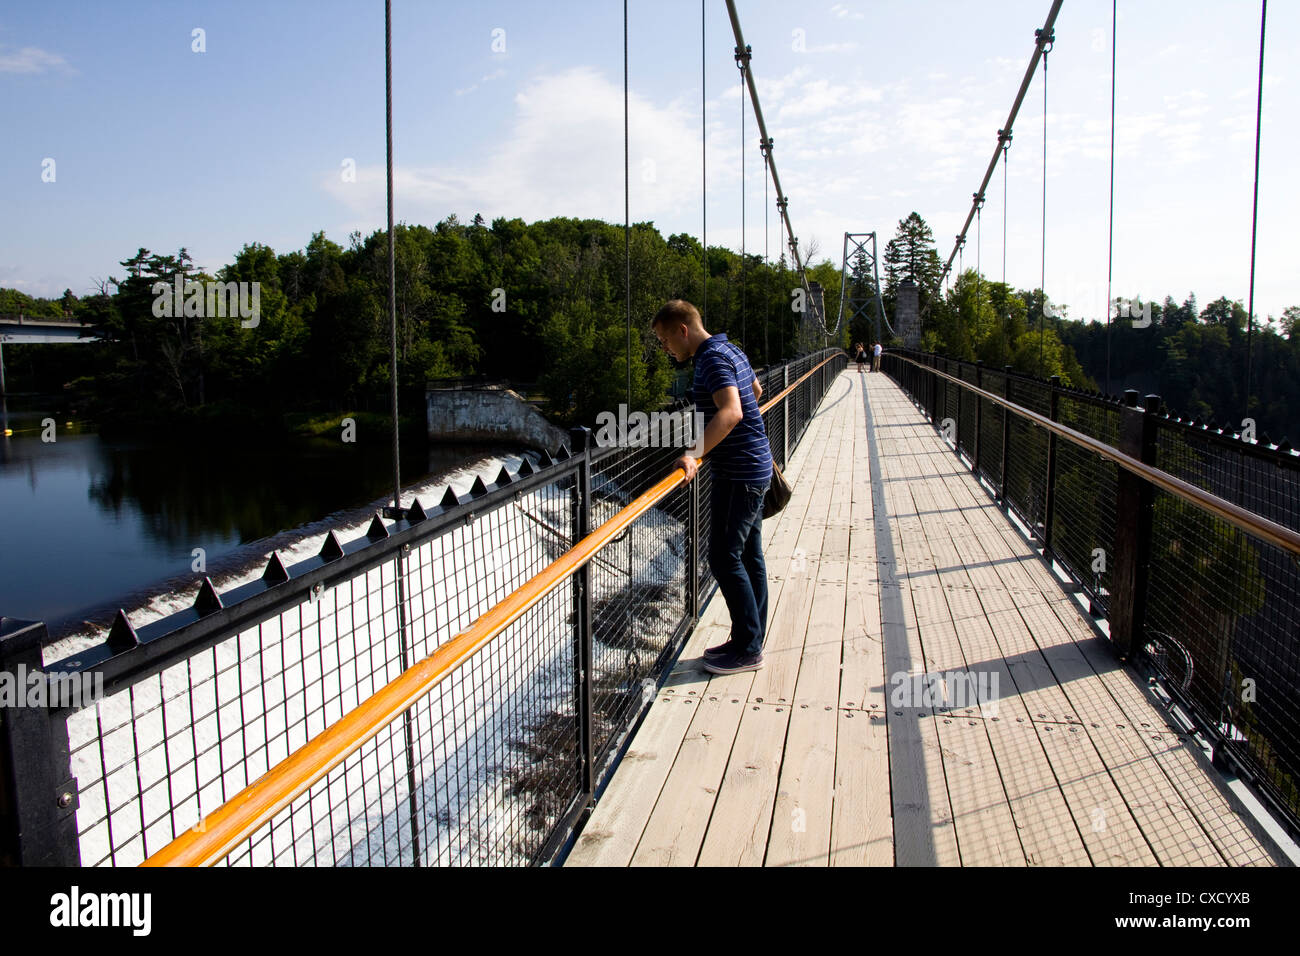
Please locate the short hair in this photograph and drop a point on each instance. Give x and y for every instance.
(675, 311)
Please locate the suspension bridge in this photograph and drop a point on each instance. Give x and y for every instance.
(1013, 623)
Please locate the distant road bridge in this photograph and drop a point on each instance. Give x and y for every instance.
(37, 330)
(30, 330)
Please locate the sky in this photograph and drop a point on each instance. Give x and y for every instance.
(877, 108)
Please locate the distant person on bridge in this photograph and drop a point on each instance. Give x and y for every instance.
(726, 391)
(875, 357)
(860, 356)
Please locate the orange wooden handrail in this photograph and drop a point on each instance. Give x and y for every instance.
(762, 409)
(240, 816)
(1249, 522)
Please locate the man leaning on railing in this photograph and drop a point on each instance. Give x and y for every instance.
(726, 391)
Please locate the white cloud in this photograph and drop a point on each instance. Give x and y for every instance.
(819, 96)
(841, 12)
(834, 47)
(32, 59)
(562, 156)
(494, 75)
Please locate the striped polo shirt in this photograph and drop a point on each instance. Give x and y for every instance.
(744, 455)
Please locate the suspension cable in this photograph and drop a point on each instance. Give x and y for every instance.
(392, 254)
(704, 166)
(767, 274)
(1046, 46)
(396, 512)
(1110, 235)
(1254, 212)
(1004, 137)
(627, 217)
(782, 201)
(979, 246)
(742, 61)
(1008, 126)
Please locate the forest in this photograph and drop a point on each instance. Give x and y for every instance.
(545, 304)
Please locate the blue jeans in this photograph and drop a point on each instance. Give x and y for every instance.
(736, 558)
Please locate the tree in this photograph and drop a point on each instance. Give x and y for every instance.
(1290, 320)
(1229, 314)
(911, 254)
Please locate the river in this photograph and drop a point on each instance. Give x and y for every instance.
(88, 525)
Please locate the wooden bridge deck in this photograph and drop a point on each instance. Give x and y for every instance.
(890, 560)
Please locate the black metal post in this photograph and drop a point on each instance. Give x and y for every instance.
(408, 732)
(1006, 438)
(1049, 503)
(785, 416)
(582, 632)
(957, 430)
(1134, 508)
(933, 398)
(693, 549)
(979, 420)
(38, 796)
(942, 384)
(928, 385)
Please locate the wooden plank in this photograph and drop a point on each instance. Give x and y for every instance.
(1033, 678)
(1169, 826)
(1234, 835)
(742, 815)
(862, 827)
(789, 615)
(986, 829)
(801, 818)
(625, 801)
(611, 835)
(676, 827)
(819, 668)
(1109, 831)
(1048, 832)
(862, 662)
(862, 823)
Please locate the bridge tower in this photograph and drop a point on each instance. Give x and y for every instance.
(860, 282)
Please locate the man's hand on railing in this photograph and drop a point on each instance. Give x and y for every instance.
(689, 465)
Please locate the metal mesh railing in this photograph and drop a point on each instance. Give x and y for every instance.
(492, 765)
(991, 416)
(1224, 608)
(1086, 485)
(639, 588)
(204, 728)
(1026, 479)
(966, 413)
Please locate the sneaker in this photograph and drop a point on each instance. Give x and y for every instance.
(721, 650)
(734, 663)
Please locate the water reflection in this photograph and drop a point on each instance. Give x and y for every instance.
(86, 524)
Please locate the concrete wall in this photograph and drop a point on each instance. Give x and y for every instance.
(488, 415)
